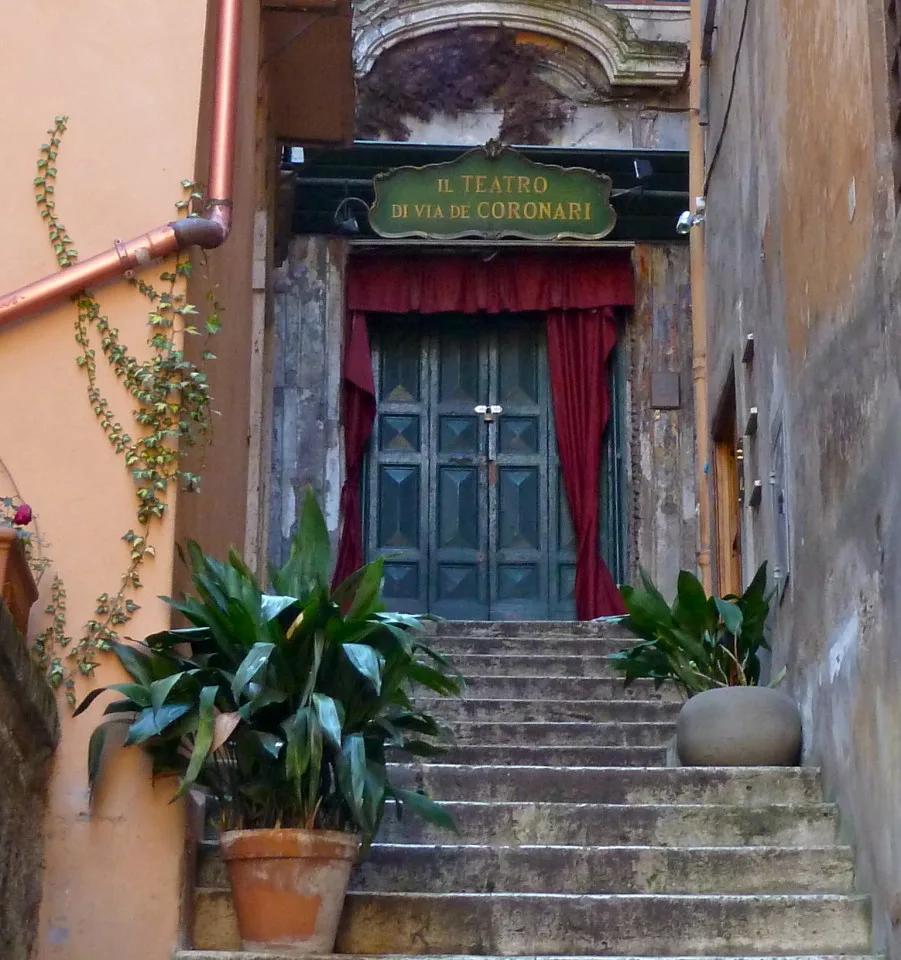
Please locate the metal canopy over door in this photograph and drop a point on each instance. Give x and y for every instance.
(464, 497)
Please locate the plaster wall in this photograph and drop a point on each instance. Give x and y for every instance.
(801, 253)
(216, 514)
(129, 76)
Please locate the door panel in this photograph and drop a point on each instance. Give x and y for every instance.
(458, 587)
(468, 508)
(518, 470)
(398, 474)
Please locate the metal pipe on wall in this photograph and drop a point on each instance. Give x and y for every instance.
(699, 296)
(208, 232)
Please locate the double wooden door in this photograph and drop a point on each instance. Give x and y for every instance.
(464, 498)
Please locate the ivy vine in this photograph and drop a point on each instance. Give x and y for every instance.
(171, 411)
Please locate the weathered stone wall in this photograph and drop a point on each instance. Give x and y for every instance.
(29, 729)
(801, 253)
(304, 369)
(662, 520)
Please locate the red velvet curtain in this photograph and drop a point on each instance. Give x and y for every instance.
(358, 414)
(579, 343)
(569, 288)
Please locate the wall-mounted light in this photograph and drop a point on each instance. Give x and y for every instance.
(344, 219)
(688, 219)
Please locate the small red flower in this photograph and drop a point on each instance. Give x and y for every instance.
(22, 516)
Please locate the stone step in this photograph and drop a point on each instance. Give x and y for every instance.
(597, 824)
(254, 955)
(540, 688)
(455, 646)
(565, 734)
(534, 665)
(589, 870)
(594, 870)
(580, 755)
(748, 786)
(524, 710)
(662, 925)
(539, 629)
(526, 924)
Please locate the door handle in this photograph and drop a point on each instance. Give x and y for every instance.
(488, 411)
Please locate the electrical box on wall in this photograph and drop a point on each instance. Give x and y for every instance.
(666, 390)
(779, 494)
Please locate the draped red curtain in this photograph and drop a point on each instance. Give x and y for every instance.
(579, 343)
(578, 293)
(358, 414)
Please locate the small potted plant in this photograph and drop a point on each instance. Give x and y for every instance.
(282, 705)
(18, 589)
(709, 648)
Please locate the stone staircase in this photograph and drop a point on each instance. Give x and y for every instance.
(575, 839)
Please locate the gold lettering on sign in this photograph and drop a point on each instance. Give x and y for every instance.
(459, 211)
(587, 211)
(398, 211)
(482, 210)
(514, 209)
(437, 214)
(529, 210)
(544, 210)
(522, 185)
(498, 209)
(575, 211)
(480, 184)
(559, 212)
(444, 185)
(539, 184)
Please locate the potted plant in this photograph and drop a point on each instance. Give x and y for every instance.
(18, 589)
(709, 648)
(282, 705)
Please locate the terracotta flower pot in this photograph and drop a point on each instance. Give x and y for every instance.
(17, 587)
(738, 727)
(288, 886)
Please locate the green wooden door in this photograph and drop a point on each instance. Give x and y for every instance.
(463, 485)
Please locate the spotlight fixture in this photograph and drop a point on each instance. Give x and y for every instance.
(687, 220)
(345, 220)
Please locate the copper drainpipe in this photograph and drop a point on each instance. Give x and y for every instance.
(208, 232)
(699, 297)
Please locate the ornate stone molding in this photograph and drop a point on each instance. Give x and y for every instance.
(604, 34)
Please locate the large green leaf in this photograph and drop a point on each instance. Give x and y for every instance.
(297, 741)
(354, 769)
(152, 722)
(272, 606)
(308, 566)
(366, 599)
(329, 720)
(425, 807)
(731, 614)
(203, 740)
(135, 692)
(250, 666)
(96, 746)
(690, 607)
(366, 661)
(138, 664)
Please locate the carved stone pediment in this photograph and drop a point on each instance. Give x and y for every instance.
(605, 35)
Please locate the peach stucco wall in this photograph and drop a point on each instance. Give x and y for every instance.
(128, 74)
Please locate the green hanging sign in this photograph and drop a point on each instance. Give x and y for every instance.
(492, 192)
